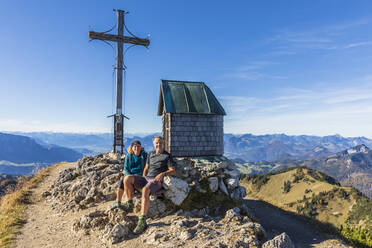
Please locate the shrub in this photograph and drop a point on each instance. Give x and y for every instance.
(299, 175)
(343, 194)
(260, 180)
(287, 186)
(359, 236)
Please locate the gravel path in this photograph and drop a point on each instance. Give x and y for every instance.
(45, 228)
(304, 235)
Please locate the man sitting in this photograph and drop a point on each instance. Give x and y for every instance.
(159, 164)
(134, 164)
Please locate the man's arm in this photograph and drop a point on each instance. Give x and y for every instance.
(145, 170)
(170, 172)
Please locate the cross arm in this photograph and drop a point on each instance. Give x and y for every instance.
(118, 38)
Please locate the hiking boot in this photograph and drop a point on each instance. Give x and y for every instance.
(116, 204)
(128, 206)
(141, 225)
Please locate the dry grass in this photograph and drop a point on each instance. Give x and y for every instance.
(12, 207)
(335, 211)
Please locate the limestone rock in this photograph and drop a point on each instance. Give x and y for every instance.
(93, 180)
(223, 188)
(117, 234)
(114, 156)
(238, 193)
(186, 235)
(280, 241)
(232, 214)
(94, 220)
(155, 237)
(232, 183)
(176, 189)
(157, 207)
(213, 184)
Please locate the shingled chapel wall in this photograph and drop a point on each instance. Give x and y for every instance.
(193, 134)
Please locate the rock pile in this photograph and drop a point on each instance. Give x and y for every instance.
(115, 225)
(94, 180)
(201, 205)
(218, 172)
(183, 229)
(177, 229)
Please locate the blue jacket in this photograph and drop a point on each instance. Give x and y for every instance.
(134, 165)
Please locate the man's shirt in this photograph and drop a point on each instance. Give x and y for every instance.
(158, 163)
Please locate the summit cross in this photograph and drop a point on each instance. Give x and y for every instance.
(120, 40)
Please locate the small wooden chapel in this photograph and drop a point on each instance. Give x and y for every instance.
(192, 119)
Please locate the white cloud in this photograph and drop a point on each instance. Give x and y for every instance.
(324, 111)
(358, 44)
(253, 71)
(328, 37)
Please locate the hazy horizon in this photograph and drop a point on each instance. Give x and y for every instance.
(142, 134)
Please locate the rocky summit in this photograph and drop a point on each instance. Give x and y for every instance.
(201, 206)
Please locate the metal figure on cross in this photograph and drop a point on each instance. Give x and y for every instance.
(120, 40)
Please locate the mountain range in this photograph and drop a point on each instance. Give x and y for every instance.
(238, 147)
(87, 143)
(280, 147)
(265, 153)
(352, 166)
(20, 155)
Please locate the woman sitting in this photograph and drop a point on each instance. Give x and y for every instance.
(134, 164)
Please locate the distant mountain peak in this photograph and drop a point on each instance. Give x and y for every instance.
(319, 149)
(358, 149)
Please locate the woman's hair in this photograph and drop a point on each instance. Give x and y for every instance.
(130, 150)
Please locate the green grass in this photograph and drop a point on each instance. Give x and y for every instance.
(360, 237)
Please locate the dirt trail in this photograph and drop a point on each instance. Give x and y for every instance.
(304, 235)
(46, 228)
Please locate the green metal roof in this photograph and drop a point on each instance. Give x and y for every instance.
(187, 98)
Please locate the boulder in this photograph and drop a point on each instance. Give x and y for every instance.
(114, 156)
(223, 188)
(213, 184)
(280, 241)
(238, 193)
(117, 234)
(232, 214)
(232, 183)
(176, 189)
(157, 207)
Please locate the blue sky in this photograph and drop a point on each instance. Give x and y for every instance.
(294, 67)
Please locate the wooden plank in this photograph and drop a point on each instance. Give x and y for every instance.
(118, 38)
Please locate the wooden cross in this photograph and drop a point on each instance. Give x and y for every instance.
(120, 40)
